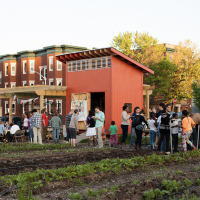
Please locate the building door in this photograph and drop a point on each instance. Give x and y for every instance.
(98, 99)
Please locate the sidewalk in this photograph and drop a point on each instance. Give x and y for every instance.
(80, 137)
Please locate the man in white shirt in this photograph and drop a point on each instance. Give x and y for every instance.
(13, 130)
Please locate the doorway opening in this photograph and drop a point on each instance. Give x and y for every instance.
(98, 99)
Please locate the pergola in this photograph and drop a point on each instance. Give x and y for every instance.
(41, 91)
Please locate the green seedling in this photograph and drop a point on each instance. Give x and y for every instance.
(178, 172)
(188, 183)
(198, 181)
(135, 182)
(75, 196)
(149, 194)
(196, 169)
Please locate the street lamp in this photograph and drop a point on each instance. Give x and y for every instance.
(45, 79)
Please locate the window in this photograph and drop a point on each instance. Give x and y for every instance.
(6, 69)
(13, 84)
(31, 82)
(24, 83)
(30, 106)
(13, 108)
(45, 72)
(51, 81)
(6, 107)
(59, 106)
(32, 68)
(24, 67)
(24, 108)
(40, 73)
(0, 77)
(59, 65)
(6, 85)
(59, 81)
(89, 64)
(50, 107)
(13, 69)
(51, 63)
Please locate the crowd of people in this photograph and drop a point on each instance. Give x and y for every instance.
(34, 126)
(161, 125)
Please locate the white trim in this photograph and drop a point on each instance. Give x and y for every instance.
(14, 103)
(5, 84)
(24, 62)
(50, 107)
(41, 74)
(12, 83)
(6, 102)
(58, 62)
(50, 80)
(6, 64)
(32, 81)
(51, 57)
(13, 73)
(45, 68)
(1, 77)
(24, 82)
(58, 80)
(60, 101)
(30, 62)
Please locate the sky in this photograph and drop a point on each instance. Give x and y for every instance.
(31, 25)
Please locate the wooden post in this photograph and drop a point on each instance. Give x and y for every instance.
(10, 109)
(41, 102)
(32, 106)
(147, 103)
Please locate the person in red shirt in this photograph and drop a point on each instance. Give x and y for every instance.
(44, 123)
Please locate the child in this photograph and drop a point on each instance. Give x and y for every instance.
(113, 134)
(174, 128)
(152, 123)
(187, 124)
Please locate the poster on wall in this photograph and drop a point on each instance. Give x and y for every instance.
(81, 105)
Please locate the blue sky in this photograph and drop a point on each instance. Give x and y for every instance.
(30, 25)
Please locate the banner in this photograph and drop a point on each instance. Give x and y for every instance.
(81, 105)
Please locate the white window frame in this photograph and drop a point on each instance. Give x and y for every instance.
(60, 101)
(41, 73)
(58, 80)
(23, 110)
(0, 77)
(51, 57)
(6, 102)
(6, 65)
(57, 65)
(32, 81)
(30, 62)
(50, 107)
(13, 73)
(14, 103)
(12, 83)
(45, 68)
(6, 84)
(24, 82)
(50, 80)
(24, 62)
(30, 106)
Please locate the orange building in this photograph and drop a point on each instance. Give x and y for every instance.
(107, 77)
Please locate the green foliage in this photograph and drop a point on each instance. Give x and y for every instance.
(178, 172)
(84, 141)
(75, 196)
(149, 194)
(171, 185)
(198, 181)
(164, 80)
(196, 94)
(135, 182)
(196, 169)
(188, 183)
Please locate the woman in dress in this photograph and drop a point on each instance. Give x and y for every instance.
(91, 131)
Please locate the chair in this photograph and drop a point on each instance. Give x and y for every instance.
(20, 137)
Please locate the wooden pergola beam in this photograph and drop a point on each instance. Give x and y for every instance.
(86, 53)
(82, 55)
(73, 57)
(98, 53)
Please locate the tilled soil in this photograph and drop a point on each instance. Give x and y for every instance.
(55, 160)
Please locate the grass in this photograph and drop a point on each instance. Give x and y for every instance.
(84, 141)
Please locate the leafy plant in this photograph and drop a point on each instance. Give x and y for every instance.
(178, 172)
(135, 182)
(75, 196)
(198, 181)
(188, 183)
(149, 194)
(196, 169)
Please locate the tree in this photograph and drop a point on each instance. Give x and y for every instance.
(187, 58)
(142, 47)
(196, 94)
(163, 79)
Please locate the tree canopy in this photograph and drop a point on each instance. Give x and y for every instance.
(196, 94)
(142, 47)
